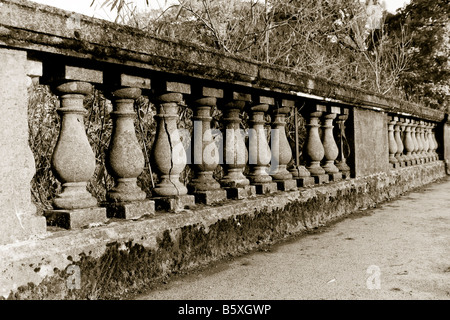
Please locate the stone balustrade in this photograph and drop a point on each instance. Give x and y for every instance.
(348, 133)
(411, 141)
(269, 160)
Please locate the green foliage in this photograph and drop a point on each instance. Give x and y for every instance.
(427, 77)
(334, 39)
(403, 55)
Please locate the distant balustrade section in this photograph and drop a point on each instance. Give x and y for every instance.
(411, 141)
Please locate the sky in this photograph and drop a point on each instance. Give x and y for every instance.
(84, 6)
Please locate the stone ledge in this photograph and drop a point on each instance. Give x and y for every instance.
(136, 254)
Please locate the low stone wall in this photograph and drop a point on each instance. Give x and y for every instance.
(124, 257)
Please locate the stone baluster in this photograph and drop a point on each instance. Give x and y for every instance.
(330, 147)
(168, 153)
(419, 142)
(124, 159)
(73, 161)
(427, 137)
(392, 143)
(408, 142)
(298, 170)
(398, 140)
(281, 149)
(258, 147)
(341, 162)
(313, 147)
(415, 154)
(425, 143)
(206, 155)
(435, 143)
(432, 142)
(235, 151)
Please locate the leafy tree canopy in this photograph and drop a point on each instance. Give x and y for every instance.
(350, 41)
(427, 77)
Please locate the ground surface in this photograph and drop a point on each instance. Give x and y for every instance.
(400, 250)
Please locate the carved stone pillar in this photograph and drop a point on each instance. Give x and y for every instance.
(205, 151)
(124, 158)
(425, 144)
(398, 140)
(235, 151)
(392, 143)
(408, 142)
(281, 150)
(73, 162)
(330, 147)
(313, 148)
(344, 149)
(429, 141)
(435, 143)
(168, 152)
(299, 171)
(414, 154)
(419, 142)
(258, 148)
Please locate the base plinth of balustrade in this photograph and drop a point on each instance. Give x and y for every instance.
(286, 185)
(174, 203)
(305, 181)
(321, 178)
(402, 164)
(210, 196)
(337, 176)
(75, 218)
(346, 175)
(396, 165)
(241, 192)
(266, 188)
(129, 210)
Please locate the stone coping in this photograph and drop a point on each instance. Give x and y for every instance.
(44, 29)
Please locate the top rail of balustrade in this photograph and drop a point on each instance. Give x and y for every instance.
(44, 29)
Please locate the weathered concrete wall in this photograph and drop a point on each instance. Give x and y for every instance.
(124, 257)
(370, 142)
(17, 213)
